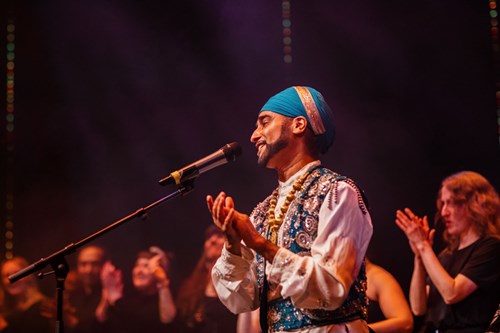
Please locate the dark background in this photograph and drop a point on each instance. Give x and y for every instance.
(112, 96)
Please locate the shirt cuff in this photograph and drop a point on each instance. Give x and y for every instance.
(234, 263)
(281, 265)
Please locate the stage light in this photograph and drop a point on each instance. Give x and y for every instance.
(9, 138)
(496, 55)
(287, 31)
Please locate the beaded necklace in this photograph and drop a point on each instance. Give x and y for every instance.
(274, 221)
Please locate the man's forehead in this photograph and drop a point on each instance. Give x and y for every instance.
(266, 114)
(91, 254)
(270, 115)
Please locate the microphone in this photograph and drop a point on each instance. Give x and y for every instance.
(226, 154)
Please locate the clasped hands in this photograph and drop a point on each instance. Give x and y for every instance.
(415, 228)
(235, 225)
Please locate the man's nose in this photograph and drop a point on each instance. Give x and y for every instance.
(255, 136)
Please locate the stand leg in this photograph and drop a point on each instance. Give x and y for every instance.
(61, 269)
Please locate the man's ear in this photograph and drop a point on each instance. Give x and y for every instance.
(299, 124)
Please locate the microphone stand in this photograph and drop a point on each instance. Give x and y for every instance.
(57, 260)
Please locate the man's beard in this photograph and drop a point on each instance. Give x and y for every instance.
(272, 149)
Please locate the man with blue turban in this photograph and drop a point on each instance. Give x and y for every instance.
(300, 255)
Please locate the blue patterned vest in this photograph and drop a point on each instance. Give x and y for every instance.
(301, 225)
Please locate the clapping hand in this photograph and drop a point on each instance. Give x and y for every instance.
(112, 284)
(415, 228)
(158, 266)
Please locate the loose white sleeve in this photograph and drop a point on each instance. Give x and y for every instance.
(235, 280)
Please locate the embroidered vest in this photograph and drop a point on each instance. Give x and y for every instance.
(301, 227)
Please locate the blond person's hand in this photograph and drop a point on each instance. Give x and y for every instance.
(416, 229)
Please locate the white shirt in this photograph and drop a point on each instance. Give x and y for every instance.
(336, 257)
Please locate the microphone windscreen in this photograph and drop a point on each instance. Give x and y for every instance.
(231, 151)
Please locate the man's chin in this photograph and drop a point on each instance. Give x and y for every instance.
(262, 162)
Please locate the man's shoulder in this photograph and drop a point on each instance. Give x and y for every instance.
(341, 182)
(336, 177)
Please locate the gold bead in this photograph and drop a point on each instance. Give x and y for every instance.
(273, 238)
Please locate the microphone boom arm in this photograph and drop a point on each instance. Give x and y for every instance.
(72, 247)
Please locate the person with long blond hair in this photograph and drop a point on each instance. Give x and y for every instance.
(459, 289)
(23, 302)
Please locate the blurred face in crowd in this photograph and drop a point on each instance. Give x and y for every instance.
(90, 261)
(213, 247)
(142, 276)
(19, 287)
(453, 214)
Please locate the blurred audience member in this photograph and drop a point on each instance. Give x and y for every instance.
(459, 290)
(198, 306)
(385, 292)
(148, 306)
(84, 291)
(23, 302)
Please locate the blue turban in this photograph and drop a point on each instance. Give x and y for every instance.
(289, 104)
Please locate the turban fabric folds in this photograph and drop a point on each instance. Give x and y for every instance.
(309, 103)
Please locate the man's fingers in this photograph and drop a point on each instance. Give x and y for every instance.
(229, 203)
(218, 206)
(227, 220)
(210, 203)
